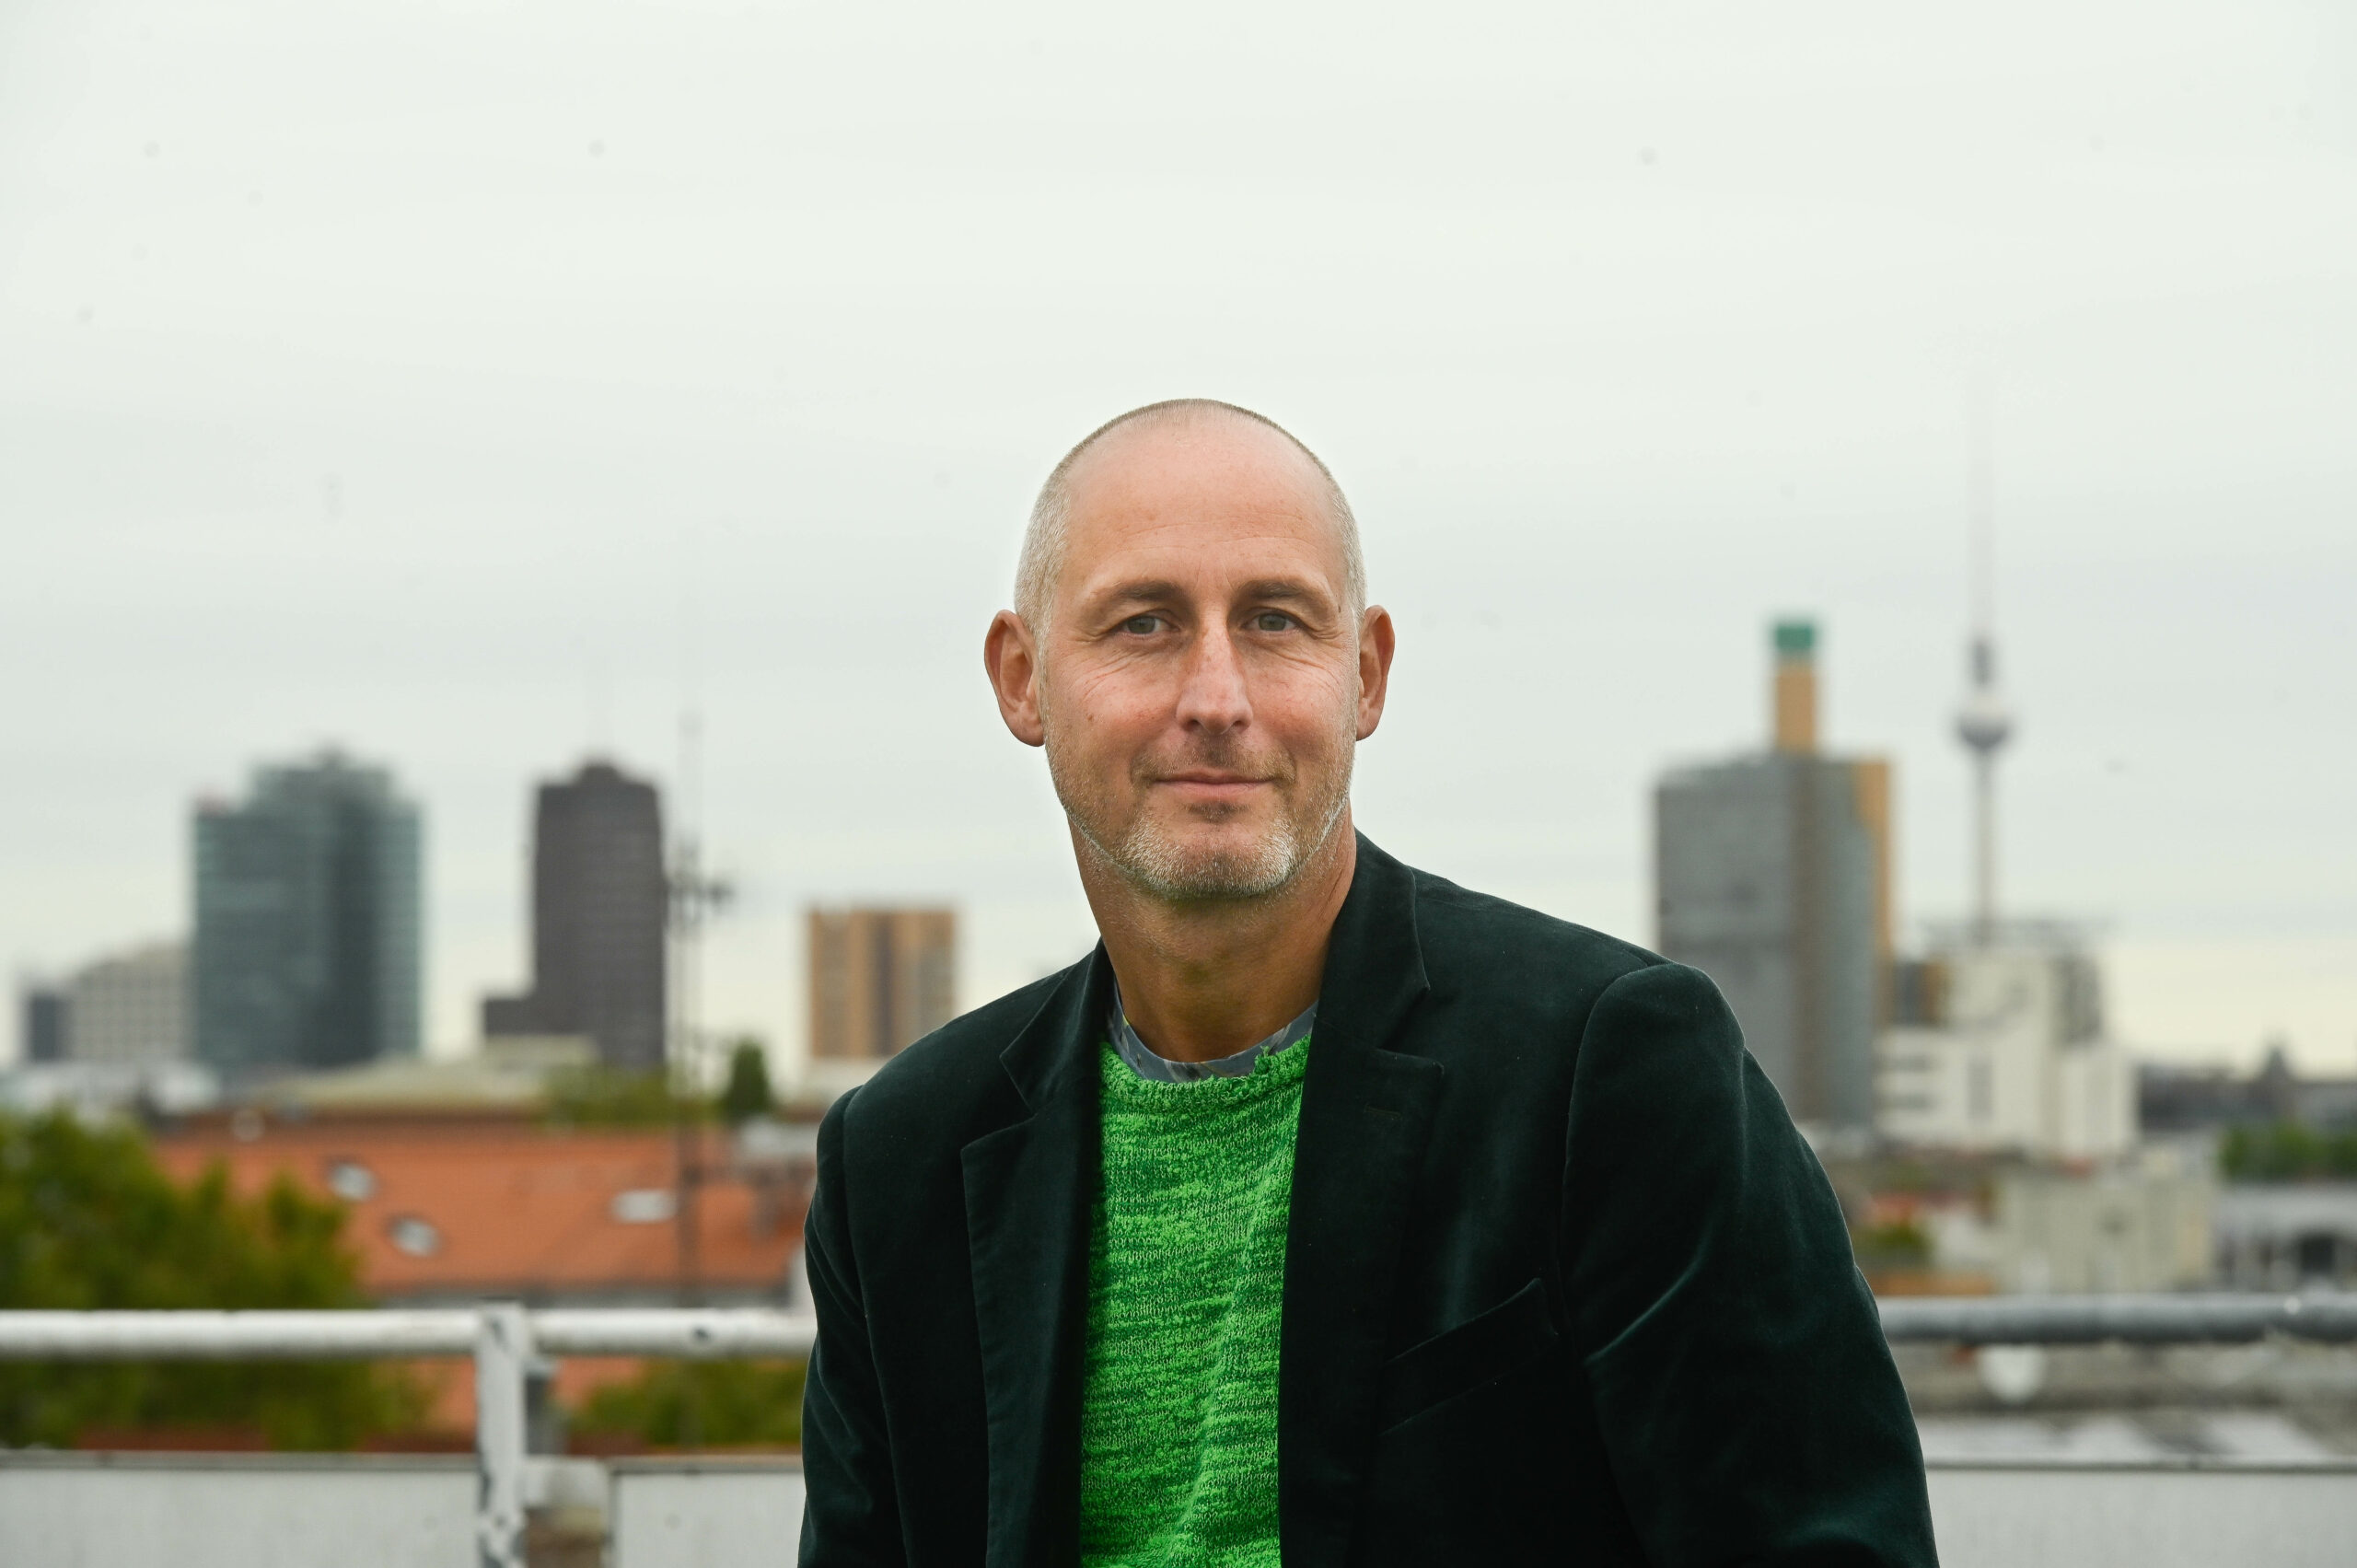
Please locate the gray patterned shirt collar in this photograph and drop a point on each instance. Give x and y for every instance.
(1162, 1070)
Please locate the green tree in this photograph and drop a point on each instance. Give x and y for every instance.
(1893, 1244)
(611, 1096)
(88, 1221)
(2287, 1150)
(747, 1094)
(686, 1404)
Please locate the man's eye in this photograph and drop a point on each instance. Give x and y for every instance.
(1142, 625)
(1271, 621)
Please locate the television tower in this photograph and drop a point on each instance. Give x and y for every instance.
(1984, 724)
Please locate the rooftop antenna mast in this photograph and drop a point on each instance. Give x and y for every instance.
(1984, 723)
(696, 897)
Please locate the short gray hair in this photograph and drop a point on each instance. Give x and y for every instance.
(1043, 539)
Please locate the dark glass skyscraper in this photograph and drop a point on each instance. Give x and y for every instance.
(600, 902)
(308, 946)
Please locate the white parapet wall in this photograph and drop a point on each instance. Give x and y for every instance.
(708, 1514)
(235, 1511)
(258, 1511)
(2144, 1516)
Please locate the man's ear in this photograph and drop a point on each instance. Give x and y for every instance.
(1376, 638)
(1011, 661)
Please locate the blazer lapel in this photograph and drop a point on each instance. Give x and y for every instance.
(1366, 1115)
(1028, 1190)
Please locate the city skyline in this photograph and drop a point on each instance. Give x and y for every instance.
(505, 434)
(782, 1039)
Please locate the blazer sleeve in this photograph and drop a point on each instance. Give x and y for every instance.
(1744, 1392)
(851, 1514)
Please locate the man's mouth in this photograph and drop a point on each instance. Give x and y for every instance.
(1206, 784)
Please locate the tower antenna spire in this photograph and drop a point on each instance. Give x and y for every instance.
(1984, 723)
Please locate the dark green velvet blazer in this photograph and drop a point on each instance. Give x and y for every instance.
(1563, 1285)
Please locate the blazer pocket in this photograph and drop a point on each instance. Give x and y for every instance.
(1479, 1350)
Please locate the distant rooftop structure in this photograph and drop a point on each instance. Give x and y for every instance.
(2045, 932)
(500, 1205)
(2177, 1099)
(510, 1071)
(101, 1090)
(2288, 1236)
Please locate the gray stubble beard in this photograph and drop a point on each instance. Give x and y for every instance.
(1150, 861)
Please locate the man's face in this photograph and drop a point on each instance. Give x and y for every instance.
(1200, 679)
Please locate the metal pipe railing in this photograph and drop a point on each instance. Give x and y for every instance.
(716, 1335)
(236, 1336)
(2330, 1318)
(739, 1332)
(717, 1332)
(511, 1345)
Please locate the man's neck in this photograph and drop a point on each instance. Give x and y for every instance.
(1206, 979)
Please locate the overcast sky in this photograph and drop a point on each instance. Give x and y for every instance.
(476, 385)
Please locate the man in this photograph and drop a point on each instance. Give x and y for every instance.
(1328, 1213)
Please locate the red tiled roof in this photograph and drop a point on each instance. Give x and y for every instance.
(514, 1209)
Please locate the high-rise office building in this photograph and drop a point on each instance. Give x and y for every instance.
(599, 903)
(308, 941)
(1772, 876)
(880, 979)
(129, 1007)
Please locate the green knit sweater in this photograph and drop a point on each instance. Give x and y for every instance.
(1186, 1290)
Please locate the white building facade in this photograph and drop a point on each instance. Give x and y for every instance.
(2140, 1225)
(2009, 1054)
(132, 1007)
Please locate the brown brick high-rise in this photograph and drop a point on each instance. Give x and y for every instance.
(880, 979)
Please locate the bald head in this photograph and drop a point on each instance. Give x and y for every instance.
(1216, 424)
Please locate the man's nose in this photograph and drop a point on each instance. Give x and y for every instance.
(1213, 698)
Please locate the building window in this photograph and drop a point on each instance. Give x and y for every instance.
(416, 1237)
(643, 1205)
(351, 1181)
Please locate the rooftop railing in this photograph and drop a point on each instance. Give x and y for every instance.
(2214, 1319)
(510, 1345)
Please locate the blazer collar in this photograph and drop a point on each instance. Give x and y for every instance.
(1059, 1045)
(1375, 963)
(1030, 1191)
